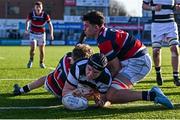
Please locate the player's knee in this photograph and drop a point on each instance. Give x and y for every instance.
(174, 51)
(156, 45)
(156, 51)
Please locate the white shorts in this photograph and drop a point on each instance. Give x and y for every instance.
(161, 31)
(135, 69)
(40, 39)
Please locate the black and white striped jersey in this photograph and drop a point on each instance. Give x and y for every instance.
(166, 14)
(77, 75)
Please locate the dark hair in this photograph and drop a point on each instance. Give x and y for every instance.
(98, 61)
(38, 3)
(94, 17)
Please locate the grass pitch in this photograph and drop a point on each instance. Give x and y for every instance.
(39, 104)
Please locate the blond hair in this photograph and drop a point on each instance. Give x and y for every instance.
(82, 51)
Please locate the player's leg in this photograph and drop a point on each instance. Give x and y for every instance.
(41, 56)
(41, 43)
(133, 70)
(125, 95)
(157, 64)
(157, 37)
(173, 40)
(33, 44)
(175, 63)
(31, 86)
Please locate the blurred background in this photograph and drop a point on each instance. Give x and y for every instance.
(65, 14)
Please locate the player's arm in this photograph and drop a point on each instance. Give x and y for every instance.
(67, 88)
(147, 6)
(82, 38)
(51, 29)
(27, 23)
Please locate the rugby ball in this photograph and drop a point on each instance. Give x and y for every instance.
(74, 103)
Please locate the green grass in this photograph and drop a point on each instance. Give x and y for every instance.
(13, 70)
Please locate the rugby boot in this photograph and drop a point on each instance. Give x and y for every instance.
(16, 90)
(42, 65)
(30, 63)
(160, 98)
(159, 79)
(177, 81)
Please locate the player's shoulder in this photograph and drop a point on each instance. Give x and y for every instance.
(31, 13)
(81, 61)
(80, 64)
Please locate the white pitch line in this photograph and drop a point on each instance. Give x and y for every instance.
(57, 106)
(2, 58)
(10, 79)
(51, 68)
(30, 107)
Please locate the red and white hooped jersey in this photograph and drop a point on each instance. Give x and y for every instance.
(118, 43)
(38, 22)
(57, 78)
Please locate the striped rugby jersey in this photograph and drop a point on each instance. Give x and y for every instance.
(38, 22)
(57, 78)
(166, 14)
(77, 75)
(118, 43)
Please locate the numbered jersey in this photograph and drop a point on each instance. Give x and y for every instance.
(55, 80)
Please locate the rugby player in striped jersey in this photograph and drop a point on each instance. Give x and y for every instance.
(128, 61)
(37, 20)
(54, 82)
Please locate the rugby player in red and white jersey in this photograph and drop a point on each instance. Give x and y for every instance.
(36, 21)
(54, 82)
(128, 61)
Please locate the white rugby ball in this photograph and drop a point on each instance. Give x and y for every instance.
(74, 103)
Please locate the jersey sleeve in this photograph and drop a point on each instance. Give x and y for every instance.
(29, 16)
(106, 82)
(107, 49)
(73, 76)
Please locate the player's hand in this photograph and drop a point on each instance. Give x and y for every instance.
(77, 93)
(177, 7)
(26, 32)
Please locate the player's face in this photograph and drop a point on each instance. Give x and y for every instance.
(38, 9)
(92, 73)
(90, 30)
